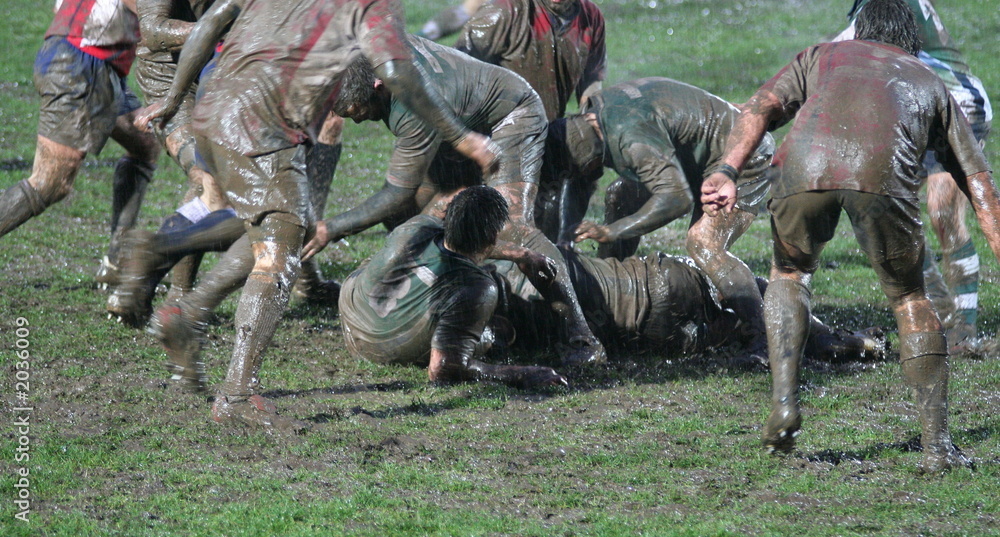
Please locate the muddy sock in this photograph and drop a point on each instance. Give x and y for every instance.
(225, 277)
(131, 178)
(174, 223)
(216, 232)
(961, 273)
(262, 301)
(937, 292)
(18, 204)
(924, 359)
(786, 314)
(321, 165)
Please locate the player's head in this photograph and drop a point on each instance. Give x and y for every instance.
(360, 96)
(573, 145)
(890, 22)
(474, 219)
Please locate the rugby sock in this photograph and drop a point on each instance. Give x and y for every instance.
(214, 233)
(924, 360)
(937, 291)
(18, 204)
(321, 165)
(786, 314)
(131, 177)
(264, 298)
(225, 277)
(560, 293)
(962, 275)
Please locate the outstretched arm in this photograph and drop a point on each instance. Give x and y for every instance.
(197, 51)
(384, 204)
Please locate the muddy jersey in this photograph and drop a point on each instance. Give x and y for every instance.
(667, 135)
(484, 97)
(280, 65)
(558, 58)
(939, 52)
(658, 303)
(105, 29)
(414, 295)
(864, 114)
(161, 40)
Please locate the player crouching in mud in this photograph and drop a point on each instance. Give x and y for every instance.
(424, 298)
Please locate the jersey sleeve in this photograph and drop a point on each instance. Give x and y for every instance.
(954, 143)
(482, 37)
(790, 85)
(415, 147)
(597, 61)
(651, 161)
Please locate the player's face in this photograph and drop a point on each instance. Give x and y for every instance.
(365, 111)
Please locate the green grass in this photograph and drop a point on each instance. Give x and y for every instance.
(642, 447)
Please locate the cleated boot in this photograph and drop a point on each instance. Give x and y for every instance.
(182, 341)
(254, 411)
(132, 299)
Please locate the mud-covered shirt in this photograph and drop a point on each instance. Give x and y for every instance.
(157, 13)
(280, 65)
(557, 58)
(658, 303)
(665, 134)
(105, 29)
(414, 295)
(482, 96)
(940, 53)
(864, 114)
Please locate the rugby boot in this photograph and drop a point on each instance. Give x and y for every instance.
(141, 269)
(253, 411)
(183, 341)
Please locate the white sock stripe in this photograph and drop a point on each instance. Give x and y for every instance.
(968, 301)
(969, 265)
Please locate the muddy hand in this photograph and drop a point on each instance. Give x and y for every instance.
(144, 117)
(718, 193)
(540, 269)
(590, 230)
(482, 150)
(319, 241)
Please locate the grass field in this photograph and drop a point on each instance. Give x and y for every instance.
(641, 447)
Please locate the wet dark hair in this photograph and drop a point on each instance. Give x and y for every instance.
(357, 85)
(890, 22)
(474, 218)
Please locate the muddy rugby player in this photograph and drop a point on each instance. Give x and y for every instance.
(864, 112)
(251, 124)
(80, 75)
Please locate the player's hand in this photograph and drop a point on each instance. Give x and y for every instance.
(318, 242)
(718, 193)
(591, 230)
(481, 150)
(158, 110)
(539, 269)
